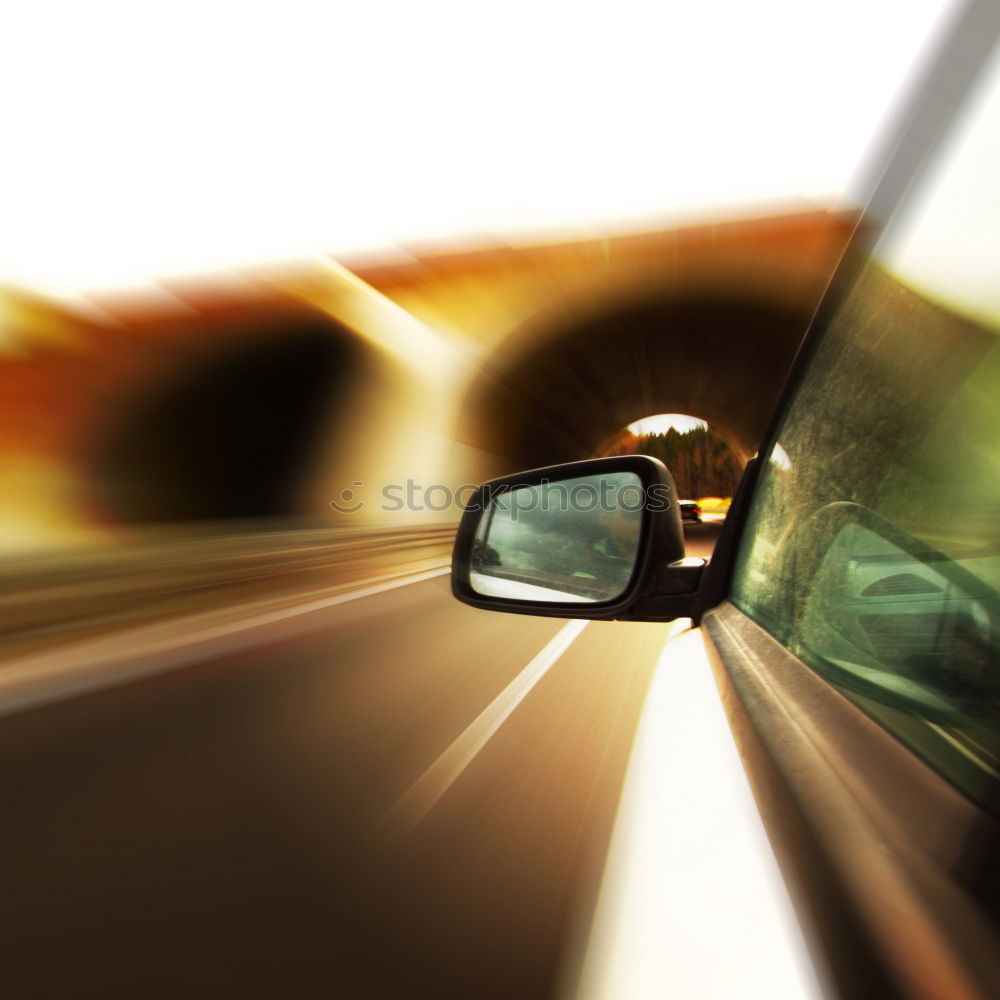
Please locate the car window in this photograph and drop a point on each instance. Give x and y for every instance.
(873, 545)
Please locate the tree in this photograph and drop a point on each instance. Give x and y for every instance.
(702, 463)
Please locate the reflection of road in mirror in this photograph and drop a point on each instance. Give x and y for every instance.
(574, 540)
(699, 540)
(520, 590)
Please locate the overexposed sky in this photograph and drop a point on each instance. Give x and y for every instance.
(154, 138)
(660, 423)
(948, 244)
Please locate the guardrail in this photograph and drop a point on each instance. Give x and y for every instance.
(60, 596)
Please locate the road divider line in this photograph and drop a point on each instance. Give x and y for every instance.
(141, 651)
(421, 797)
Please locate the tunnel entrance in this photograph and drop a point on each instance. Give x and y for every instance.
(705, 468)
(704, 465)
(230, 432)
(660, 423)
(555, 392)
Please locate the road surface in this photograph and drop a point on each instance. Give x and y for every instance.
(401, 797)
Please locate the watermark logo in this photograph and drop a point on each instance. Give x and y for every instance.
(601, 495)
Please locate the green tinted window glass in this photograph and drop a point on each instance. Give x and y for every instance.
(873, 548)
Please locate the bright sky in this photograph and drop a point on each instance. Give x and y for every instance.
(948, 247)
(155, 138)
(662, 422)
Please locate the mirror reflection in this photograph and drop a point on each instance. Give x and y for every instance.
(912, 629)
(571, 541)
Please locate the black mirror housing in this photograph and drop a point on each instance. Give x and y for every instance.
(632, 492)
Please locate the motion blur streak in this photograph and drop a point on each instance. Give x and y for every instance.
(221, 461)
(122, 656)
(226, 814)
(680, 882)
(268, 396)
(55, 597)
(438, 778)
(258, 132)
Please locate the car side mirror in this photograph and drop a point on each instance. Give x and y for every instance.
(593, 539)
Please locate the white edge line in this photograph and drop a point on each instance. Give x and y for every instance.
(94, 664)
(690, 872)
(427, 790)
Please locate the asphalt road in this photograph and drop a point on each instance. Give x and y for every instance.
(405, 798)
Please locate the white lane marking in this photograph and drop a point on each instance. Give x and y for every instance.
(94, 664)
(692, 903)
(427, 790)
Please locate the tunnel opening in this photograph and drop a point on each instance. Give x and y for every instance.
(704, 465)
(660, 423)
(557, 391)
(231, 431)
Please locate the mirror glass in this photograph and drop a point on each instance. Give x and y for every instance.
(572, 541)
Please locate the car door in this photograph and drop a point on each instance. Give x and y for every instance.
(858, 648)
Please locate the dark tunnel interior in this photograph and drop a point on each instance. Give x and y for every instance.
(231, 432)
(557, 398)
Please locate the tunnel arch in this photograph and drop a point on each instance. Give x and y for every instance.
(557, 388)
(230, 426)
